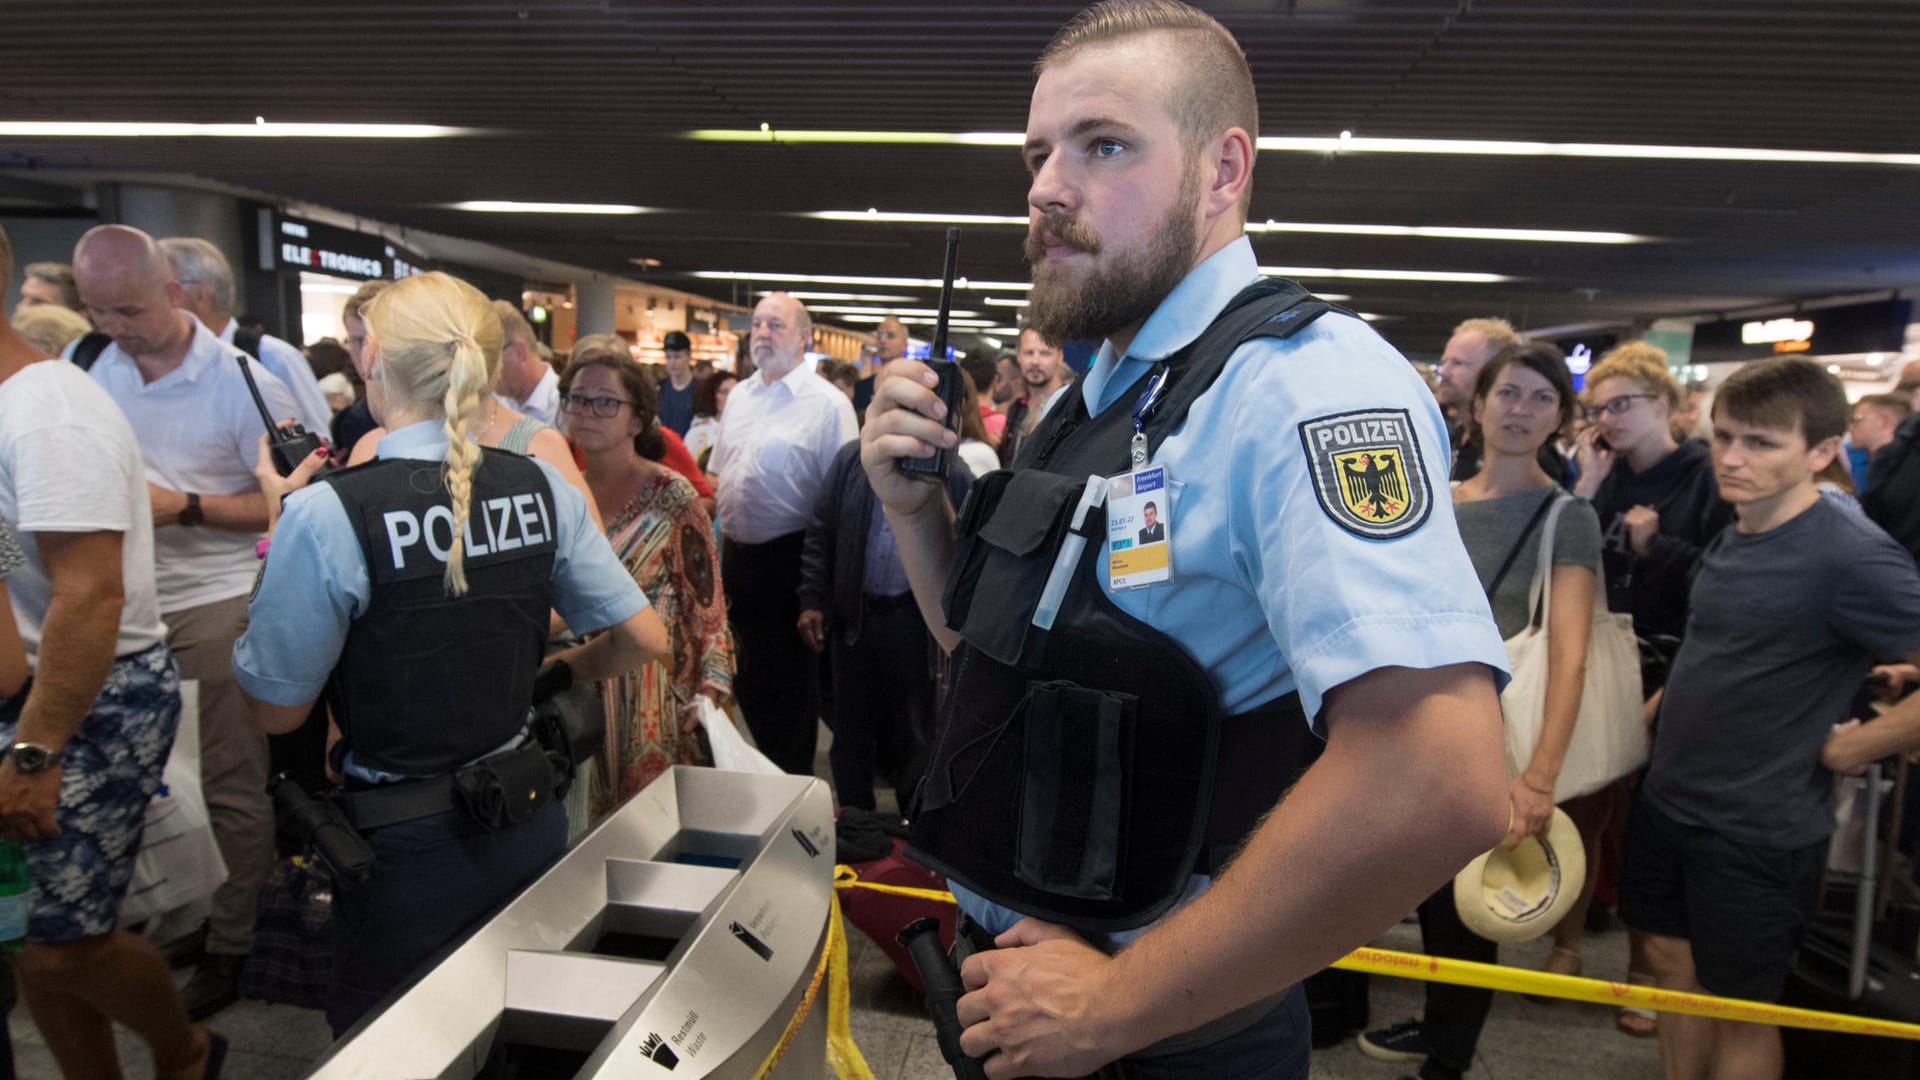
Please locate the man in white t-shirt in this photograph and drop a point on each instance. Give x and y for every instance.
(88, 740)
(184, 394)
(206, 290)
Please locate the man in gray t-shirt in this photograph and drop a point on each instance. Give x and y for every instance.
(1791, 605)
(1784, 627)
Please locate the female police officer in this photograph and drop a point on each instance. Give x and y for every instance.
(414, 590)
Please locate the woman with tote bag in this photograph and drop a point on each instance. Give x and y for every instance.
(1522, 398)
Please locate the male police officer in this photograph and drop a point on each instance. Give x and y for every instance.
(1096, 764)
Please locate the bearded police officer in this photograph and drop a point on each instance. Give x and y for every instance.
(1124, 717)
(414, 590)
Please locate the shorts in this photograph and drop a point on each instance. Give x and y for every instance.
(110, 770)
(1741, 908)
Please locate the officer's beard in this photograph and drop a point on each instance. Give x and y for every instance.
(1114, 297)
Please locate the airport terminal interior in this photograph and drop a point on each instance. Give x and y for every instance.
(1651, 216)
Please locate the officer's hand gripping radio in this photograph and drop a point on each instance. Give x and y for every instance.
(952, 394)
(290, 443)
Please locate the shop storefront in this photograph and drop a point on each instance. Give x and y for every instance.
(1860, 343)
(309, 269)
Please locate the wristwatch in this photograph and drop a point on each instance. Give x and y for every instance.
(29, 758)
(191, 514)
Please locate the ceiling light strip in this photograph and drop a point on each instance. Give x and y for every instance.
(1351, 144)
(859, 279)
(1440, 232)
(60, 129)
(510, 206)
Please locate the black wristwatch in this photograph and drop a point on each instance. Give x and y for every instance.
(191, 514)
(29, 758)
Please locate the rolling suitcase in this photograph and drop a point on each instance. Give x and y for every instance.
(1841, 969)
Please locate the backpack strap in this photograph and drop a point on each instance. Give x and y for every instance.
(88, 349)
(247, 340)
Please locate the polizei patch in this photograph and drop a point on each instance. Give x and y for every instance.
(1367, 472)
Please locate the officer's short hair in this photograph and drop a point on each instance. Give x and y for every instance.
(1215, 87)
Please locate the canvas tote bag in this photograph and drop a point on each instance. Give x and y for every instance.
(1610, 737)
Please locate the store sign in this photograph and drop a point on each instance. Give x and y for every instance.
(1776, 332)
(325, 249)
(1842, 330)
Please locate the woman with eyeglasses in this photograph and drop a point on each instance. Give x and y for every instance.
(1658, 507)
(664, 538)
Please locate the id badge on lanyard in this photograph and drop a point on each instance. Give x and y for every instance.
(1140, 507)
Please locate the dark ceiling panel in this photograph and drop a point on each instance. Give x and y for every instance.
(586, 99)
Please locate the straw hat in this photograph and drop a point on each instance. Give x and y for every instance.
(1520, 894)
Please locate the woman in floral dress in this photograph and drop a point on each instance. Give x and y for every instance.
(657, 528)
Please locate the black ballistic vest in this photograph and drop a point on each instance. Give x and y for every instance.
(1082, 774)
(428, 681)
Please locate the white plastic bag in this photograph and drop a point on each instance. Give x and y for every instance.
(1610, 737)
(178, 863)
(731, 751)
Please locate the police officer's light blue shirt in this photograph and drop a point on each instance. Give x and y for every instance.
(1270, 593)
(315, 580)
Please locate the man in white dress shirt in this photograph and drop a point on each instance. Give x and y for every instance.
(778, 435)
(182, 391)
(527, 381)
(206, 289)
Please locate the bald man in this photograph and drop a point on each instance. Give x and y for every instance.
(890, 340)
(778, 437)
(164, 367)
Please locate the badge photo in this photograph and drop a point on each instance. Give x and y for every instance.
(1367, 472)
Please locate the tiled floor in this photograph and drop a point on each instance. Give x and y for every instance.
(1522, 1041)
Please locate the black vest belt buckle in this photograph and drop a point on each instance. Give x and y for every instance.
(505, 789)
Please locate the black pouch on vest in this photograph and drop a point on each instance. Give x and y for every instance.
(505, 789)
(1072, 775)
(1079, 753)
(1007, 530)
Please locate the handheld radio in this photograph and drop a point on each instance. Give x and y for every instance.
(952, 395)
(290, 444)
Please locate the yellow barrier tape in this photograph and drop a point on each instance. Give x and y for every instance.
(845, 877)
(842, 1054)
(1542, 984)
(1519, 981)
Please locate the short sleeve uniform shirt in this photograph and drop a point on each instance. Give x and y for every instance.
(1278, 584)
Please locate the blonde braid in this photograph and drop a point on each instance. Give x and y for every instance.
(437, 345)
(466, 382)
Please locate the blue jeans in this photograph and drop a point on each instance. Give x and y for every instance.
(434, 879)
